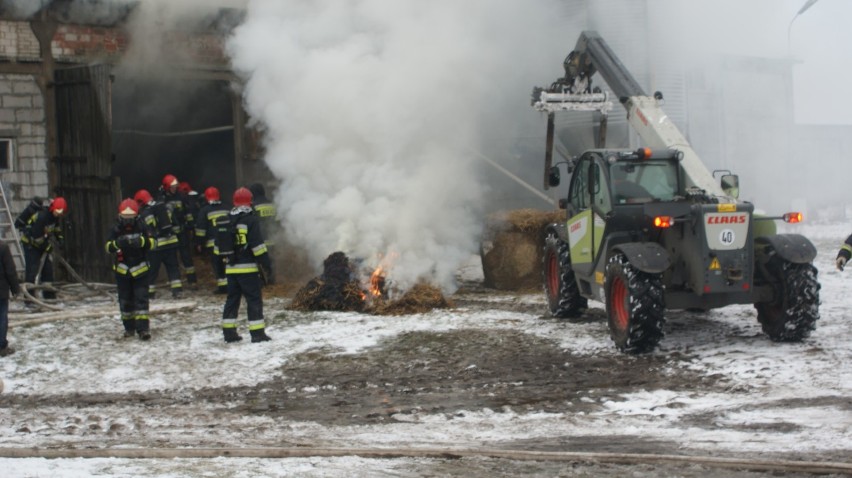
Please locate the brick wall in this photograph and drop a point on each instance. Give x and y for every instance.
(82, 44)
(77, 43)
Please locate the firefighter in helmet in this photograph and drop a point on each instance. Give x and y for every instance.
(182, 220)
(247, 265)
(129, 242)
(41, 228)
(164, 243)
(194, 202)
(205, 234)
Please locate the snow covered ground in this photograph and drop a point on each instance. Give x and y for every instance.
(771, 400)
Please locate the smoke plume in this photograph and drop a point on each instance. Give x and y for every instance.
(372, 109)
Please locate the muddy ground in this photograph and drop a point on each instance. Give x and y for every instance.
(501, 354)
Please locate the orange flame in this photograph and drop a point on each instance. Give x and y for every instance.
(376, 287)
(377, 280)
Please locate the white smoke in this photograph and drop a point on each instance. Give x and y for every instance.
(22, 8)
(371, 109)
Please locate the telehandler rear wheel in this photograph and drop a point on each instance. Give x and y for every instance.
(792, 315)
(560, 285)
(634, 306)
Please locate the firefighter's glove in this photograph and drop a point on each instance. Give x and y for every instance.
(269, 278)
(841, 262)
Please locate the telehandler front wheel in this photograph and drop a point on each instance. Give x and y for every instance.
(560, 285)
(634, 306)
(792, 315)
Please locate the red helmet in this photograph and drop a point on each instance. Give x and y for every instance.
(211, 194)
(184, 187)
(169, 180)
(142, 196)
(128, 208)
(242, 197)
(58, 206)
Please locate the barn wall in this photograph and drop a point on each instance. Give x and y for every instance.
(22, 120)
(17, 41)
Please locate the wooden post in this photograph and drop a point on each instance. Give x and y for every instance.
(240, 150)
(44, 28)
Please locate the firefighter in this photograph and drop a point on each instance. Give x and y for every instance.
(164, 243)
(129, 242)
(844, 253)
(205, 233)
(240, 240)
(194, 202)
(182, 220)
(38, 235)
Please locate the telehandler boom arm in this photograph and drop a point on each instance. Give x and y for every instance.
(574, 92)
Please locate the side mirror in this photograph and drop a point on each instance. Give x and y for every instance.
(731, 185)
(553, 176)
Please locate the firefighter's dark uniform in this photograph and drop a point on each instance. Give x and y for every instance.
(243, 271)
(266, 212)
(40, 228)
(182, 222)
(129, 241)
(205, 236)
(164, 246)
(34, 206)
(844, 254)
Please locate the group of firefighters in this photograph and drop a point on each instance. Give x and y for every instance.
(150, 232)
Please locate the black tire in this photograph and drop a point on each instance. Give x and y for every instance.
(635, 306)
(560, 285)
(792, 315)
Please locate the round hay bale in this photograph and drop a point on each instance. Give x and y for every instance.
(511, 248)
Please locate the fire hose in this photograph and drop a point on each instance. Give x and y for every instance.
(28, 289)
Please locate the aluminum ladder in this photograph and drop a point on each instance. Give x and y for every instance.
(9, 234)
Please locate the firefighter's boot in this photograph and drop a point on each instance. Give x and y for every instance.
(231, 335)
(259, 335)
(129, 325)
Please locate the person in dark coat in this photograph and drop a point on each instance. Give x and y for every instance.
(8, 283)
(41, 228)
(129, 242)
(240, 240)
(182, 220)
(164, 245)
(205, 235)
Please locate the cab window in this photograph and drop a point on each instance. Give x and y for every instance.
(580, 187)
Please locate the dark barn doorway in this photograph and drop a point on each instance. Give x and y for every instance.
(181, 127)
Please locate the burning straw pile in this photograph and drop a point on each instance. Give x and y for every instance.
(339, 289)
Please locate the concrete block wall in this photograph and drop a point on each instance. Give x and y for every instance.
(17, 41)
(23, 122)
